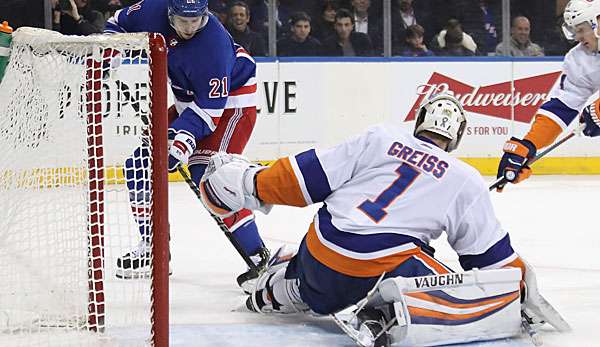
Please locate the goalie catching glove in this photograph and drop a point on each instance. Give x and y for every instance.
(228, 185)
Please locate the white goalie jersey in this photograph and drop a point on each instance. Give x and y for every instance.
(386, 193)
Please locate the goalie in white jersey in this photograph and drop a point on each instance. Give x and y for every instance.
(579, 80)
(386, 194)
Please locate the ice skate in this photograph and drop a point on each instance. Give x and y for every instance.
(282, 256)
(136, 263)
(247, 280)
(372, 328)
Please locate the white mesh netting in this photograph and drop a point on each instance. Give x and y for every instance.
(71, 112)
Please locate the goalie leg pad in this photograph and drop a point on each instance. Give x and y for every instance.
(453, 308)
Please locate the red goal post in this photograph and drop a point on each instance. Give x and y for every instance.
(65, 214)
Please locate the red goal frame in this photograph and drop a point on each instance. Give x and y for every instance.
(157, 61)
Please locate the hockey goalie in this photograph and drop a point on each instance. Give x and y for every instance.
(386, 194)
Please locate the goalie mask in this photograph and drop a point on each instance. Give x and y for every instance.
(444, 115)
(578, 12)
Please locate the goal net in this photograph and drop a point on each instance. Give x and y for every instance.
(72, 110)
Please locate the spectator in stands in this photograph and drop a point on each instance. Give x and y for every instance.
(299, 42)
(414, 43)
(520, 43)
(405, 15)
(368, 22)
(481, 19)
(323, 26)
(439, 43)
(238, 18)
(220, 9)
(76, 17)
(347, 42)
(454, 44)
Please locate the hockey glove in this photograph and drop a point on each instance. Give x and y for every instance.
(180, 149)
(228, 188)
(589, 117)
(513, 165)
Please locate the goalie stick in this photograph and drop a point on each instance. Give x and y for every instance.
(220, 223)
(575, 131)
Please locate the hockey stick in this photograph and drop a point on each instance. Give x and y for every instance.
(575, 131)
(220, 222)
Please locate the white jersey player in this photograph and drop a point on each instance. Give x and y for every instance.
(386, 194)
(580, 79)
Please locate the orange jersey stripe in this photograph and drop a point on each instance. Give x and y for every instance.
(543, 131)
(416, 311)
(518, 263)
(432, 263)
(279, 185)
(426, 297)
(350, 266)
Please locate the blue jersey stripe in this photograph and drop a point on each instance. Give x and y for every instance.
(562, 111)
(447, 297)
(440, 321)
(499, 251)
(314, 176)
(363, 243)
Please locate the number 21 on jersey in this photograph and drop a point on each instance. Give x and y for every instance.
(219, 88)
(376, 209)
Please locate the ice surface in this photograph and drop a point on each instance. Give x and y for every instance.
(553, 222)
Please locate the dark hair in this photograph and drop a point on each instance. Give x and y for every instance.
(240, 3)
(298, 16)
(327, 4)
(344, 13)
(414, 30)
(453, 23)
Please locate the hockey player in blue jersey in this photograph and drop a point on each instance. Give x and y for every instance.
(213, 81)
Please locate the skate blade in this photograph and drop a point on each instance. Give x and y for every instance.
(357, 336)
(129, 274)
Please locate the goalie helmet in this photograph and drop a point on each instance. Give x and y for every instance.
(578, 12)
(444, 115)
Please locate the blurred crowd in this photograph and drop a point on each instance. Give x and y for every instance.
(344, 27)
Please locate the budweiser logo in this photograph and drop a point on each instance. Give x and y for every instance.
(494, 100)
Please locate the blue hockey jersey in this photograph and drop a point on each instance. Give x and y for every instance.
(208, 72)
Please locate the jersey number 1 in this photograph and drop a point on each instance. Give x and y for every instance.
(376, 209)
